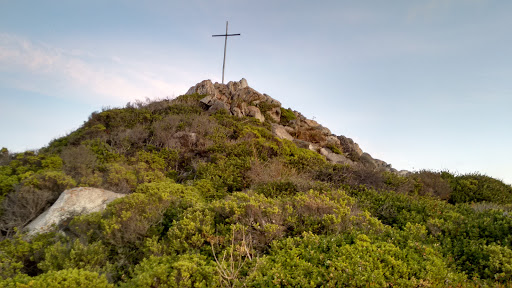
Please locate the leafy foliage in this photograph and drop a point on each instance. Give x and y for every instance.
(216, 200)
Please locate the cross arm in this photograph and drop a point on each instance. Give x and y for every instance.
(226, 35)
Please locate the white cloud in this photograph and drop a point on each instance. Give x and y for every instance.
(97, 77)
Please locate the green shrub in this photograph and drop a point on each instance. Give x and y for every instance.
(277, 189)
(335, 149)
(75, 255)
(432, 183)
(191, 233)
(7, 180)
(226, 174)
(478, 188)
(121, 178)
(19, 256)
(189, 270)
(287, 115)
(56, 181)
(64, 278)
(334, 261)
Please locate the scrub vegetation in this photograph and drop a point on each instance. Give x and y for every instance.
(218, 201)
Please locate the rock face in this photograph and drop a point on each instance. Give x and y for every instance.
(240, 100)
(71, 203)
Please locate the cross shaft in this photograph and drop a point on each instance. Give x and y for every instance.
(225, 44)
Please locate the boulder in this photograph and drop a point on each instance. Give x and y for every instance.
(335, 158)
(205, 87)
(71, 203)
(306, 145)
(350, 148)
(275, 113)
(243, 83)
(237, 112)
(208, 100)
(281, 132)
(218, 105)
(367, 160)
(255, 112)
(311, 123)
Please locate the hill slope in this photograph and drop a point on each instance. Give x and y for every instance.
(228, 188)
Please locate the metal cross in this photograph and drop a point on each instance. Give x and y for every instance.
(225, 43)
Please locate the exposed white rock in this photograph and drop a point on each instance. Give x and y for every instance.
(71, 203)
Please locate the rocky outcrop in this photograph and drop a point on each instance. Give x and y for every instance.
(240, 100)
(71, 203)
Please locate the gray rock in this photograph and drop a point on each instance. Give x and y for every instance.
(367, 160)
(335, 158)
(281, 132)
(311, 123)
(71, 203)
(403, 173)
(289, 129)
(255, 112)
(306, 145)
(205, 87)
(237, 112)
(218, 105)
(208, 100)
(275, 114)
(333, 140)
(350, 148)
(243, 83)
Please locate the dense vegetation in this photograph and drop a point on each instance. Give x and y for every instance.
(232, 205)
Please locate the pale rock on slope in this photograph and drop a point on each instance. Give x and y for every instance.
(71, 203)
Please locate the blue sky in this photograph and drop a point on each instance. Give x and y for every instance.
(419, 84)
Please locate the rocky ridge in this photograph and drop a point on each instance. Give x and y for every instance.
(241, 100)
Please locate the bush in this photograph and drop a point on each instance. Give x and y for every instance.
(478, 188)
(64, 278)
(75, 255)
(287, 115)
(189, 270)
(23, 206)
(55, 181)
(7, 180)
(333, 261)
(18, 256)
(432, 183)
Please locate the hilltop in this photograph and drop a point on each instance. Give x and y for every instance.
(223, 186)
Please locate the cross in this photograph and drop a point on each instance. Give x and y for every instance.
(225, 43)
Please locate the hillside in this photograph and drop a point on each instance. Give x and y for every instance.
(226, 188)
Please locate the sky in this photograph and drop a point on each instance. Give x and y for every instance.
(418, 84)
